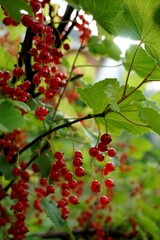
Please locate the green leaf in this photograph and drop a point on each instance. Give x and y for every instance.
(6, 58)
(74, 3)
(117, 123)
(139, 20)
(53, 214)
(13, 8)
(22, 105)
(125, 115)
(142, 233)
(112, 95)
(104, 47)
(96, 96)
(148, 225)
(6, 168)
(148, 210)
(11, 117)
(44, 162)
(143, 63)
(150, 113)
(103, 11)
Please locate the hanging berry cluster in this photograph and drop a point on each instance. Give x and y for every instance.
(98, 152)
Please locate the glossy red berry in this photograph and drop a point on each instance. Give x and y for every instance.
(77, 162)
(78, 154)
(73, 200)
(111, 152)
(109, 167)
(93, 151)
(50, 189)
(79, 171)
(102, 147)
(100, 157)
(109, 183)
(104, 200)
(58, 155)
(72, 183)
(35, 167)
(43, 181)
(66, 46)
(106, 138)
(95, 186)
(16, 171)
(36, 6)
(65, 192)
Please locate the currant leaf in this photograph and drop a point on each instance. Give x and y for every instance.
(132, 22)
(53, 214)
(143, 63)
(150, 113)
(6, 168)
(11, 117)
(103, 12)
(105, 47)
(96, 96)
(13, 11)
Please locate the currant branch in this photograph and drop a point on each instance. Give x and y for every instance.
(65, 19)
(130, 68)
(65, 125)
(25, 58)
(98, 66)
(68, 80)
(145, 80)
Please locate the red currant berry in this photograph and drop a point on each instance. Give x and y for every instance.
(104, 200)
(78, 154)
(43, 181)
(65, 192)
(27, 20)
(66, 46)
(110, 167)
(100, 157)
(105, 171)
(79, 171)
(35, 167)
(23, 165)
(109, 183)
(16, 171)
(73, 200)
(25, 176)
(96, 186)
(36, 6)
(61, 203)
(77, 162)
(58, 155)
(111, 152)
(50, 189)
(106, 138)
(93, 151)
(72, 183)
(102, 147)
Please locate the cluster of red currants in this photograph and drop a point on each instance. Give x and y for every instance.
(20, 92)
(99, 153)
(8, 147)
(63, 179)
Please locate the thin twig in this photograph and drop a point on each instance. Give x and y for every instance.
(98, 66)
(130, 68)
(145, 80)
